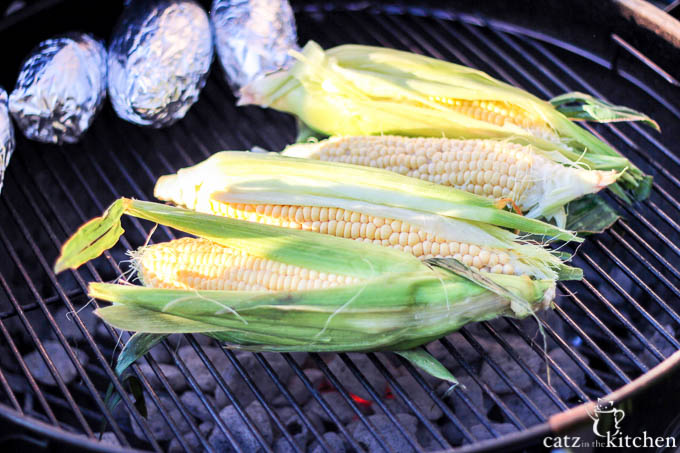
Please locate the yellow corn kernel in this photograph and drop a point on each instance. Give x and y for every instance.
(196, 263)
(361, 227)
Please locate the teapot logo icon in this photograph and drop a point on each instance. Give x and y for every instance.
(606, 408)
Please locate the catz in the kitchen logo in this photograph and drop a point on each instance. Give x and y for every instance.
(606, 408)
(607, 429)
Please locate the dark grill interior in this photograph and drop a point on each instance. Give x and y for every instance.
(620, 321)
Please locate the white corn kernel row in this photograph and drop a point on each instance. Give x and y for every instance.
(361, 227)
(484, 167)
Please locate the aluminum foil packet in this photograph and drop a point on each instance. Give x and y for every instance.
(6, 136)
(60, 88)
(159, 57)
(252, 37)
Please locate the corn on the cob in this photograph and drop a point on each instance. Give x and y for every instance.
(500, 114)
(363, 90)
(195, 263)
(364, 204)
(387, 300)
(379, 230)
(492, 168)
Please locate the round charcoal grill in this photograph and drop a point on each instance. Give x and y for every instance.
(613, 335)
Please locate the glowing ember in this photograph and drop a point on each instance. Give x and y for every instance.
(360, 401)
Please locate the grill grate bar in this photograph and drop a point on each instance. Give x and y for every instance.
(237, 405)
(550, 393)
(549, 360)
(625, 45)
(485, 388)
(378, 400)
(500, 373)
(622, 319)
(116, 382)
(223, 386)
(163, 412)
(656, 231)
(348, 399)
(661, 213)
(639, 281)
(156, 370)
(606, 331)
(645, 314)
(101, 359)
(595, 348)
(34, 305)
(10, 394)
(319, 399)
(279, 385)
(447, 411)
(24, 368)
(39, 346)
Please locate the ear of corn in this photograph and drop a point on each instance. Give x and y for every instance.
(363, 90)
(492, 168)
(290, 247)
(364, 204)
(396, 312)
(387, 308)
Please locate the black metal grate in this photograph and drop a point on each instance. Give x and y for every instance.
(616, 324)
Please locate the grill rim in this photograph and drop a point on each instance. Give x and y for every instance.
(519, 436)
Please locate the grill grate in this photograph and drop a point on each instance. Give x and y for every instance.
(613, 326)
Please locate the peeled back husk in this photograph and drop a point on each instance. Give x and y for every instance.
(448, 213)
(399, 303)
(364, 90)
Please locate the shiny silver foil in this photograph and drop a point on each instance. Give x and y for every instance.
(60, 88)
(252, 37)
(6, 136)
(159, 58)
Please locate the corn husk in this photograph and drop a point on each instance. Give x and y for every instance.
(362, 90)
(548, 186)
(399, 303)
(253, 178)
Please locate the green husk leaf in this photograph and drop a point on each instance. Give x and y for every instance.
(300, 248)
(519, 305)
(393, 312)
(590, 215)
(138, 345)
(581, 106)
(423, 360)
(569, 273)
(92, 239)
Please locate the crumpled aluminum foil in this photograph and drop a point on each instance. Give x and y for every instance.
(6, 136)
(252, 37)
(60, 88)
(159, 57)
